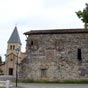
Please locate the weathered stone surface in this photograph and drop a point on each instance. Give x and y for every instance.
(57, 53)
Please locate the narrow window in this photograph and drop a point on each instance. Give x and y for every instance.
(11, 47)
(31, 43)
(34, 44)
(43, 73)
(79, 55)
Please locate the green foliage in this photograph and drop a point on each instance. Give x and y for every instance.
(60, 82)
(1, 72)
(83, 15)
(26, 80)
(76, 81)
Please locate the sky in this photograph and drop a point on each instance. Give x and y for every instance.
(36, 15)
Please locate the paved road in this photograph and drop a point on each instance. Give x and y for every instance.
(35, 85)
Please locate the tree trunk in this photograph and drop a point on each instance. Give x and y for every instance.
(86, 25)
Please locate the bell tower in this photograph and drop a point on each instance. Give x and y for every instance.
(11, 55)
(13, 42)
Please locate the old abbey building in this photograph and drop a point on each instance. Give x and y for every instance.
(56, 55)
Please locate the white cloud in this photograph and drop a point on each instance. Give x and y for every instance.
(36, 14)
(15, 9)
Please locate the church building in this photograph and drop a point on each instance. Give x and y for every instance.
(57, 54)
(13, 43)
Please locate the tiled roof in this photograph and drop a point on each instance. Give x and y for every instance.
(56, 31)
(14, 38)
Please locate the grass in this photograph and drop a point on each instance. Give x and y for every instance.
(75, 81)
(59, 82)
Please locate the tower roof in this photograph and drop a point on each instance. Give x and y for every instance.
(14, 38)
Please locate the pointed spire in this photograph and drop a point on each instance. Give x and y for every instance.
(14, 38)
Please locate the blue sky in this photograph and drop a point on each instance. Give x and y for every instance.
(36, 14)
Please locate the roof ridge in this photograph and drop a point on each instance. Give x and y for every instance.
(56, 31)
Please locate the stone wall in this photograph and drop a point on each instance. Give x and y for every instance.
(57, 55)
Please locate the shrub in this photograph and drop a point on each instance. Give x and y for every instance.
(60, 82)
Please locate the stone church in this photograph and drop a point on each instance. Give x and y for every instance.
(59, 54)
(13, 43)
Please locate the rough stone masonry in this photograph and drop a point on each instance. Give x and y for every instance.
(56, 55)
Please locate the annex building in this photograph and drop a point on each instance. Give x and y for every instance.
(58, 54)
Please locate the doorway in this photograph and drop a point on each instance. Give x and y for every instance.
(10, 71)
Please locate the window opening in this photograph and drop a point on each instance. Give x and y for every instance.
(43, 73)
(79, 55)
(11, 47)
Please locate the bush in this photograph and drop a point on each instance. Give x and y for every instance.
(60, 82)
(1, 71)
(26, 81)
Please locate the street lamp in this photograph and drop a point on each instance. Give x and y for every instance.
(17, 52)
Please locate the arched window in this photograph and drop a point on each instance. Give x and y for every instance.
(11, 47)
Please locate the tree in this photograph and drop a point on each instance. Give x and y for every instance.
(0, 59)
(83, 15)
